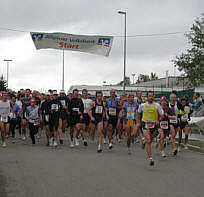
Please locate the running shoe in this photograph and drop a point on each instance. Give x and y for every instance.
(104, 141)
(163, 154)
(72, 144)
(179, 149)
(185, 147)
(175, 152)
(129, 152)
(99, 149)
(54, 144)
(151, 162)
(61, 141)
(4, 144)
(85, 143)
(76, 142)
(51, 141)
(24, 138)
(110, 145)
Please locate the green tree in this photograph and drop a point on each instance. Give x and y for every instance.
(127, 81)
(191, 63)
(3, 84)
(153, 76)
(143, 78)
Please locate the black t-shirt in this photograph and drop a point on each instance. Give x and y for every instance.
(55, 106)
(45, 108)
(64, 101)
(75, 105)
(25, 103)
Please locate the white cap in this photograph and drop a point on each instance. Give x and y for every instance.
(55, 92)
(47, 93)
(62, 91)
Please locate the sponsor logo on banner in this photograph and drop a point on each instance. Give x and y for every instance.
(37, 37)
(104, 42)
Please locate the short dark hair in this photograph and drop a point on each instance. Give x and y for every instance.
(150, 91)
(84, 90)
(74, 90)
(183, 99)
(198, 94)
(98, 92)
(174, 92)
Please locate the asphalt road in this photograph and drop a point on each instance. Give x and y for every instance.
(41, 171)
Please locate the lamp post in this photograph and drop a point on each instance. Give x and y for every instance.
(6, 60)
(125, 36)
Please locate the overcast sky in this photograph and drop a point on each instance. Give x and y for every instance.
(42, 69)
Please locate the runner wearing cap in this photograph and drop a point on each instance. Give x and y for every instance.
(63, 115)
(5, 108)
(150, 111)
(129, 111)
(33, 117)
(55, 108)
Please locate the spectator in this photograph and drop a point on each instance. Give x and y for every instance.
(197, 109)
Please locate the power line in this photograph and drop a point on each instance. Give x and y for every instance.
(130, 36)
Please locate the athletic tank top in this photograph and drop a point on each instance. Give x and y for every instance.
(149, 112)
(97, 110)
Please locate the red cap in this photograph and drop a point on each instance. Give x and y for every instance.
(32, 100)
(4, 93)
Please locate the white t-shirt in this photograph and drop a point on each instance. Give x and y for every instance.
(87, 104)
(159, 108)
(19, 103)
(4, 108)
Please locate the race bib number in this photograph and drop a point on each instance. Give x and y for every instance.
(75, 109)
(13, 115)
(164, 125)
(112, 111)
(47, 118)
(54, 107)
(130, 123)
(150, 124)
(4, 119)
(184, 118)
(63, 102)
(99, 110)
(173, 119)
(130, 113)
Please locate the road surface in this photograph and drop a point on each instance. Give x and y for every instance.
(40, 171)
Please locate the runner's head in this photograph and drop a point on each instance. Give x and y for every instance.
(131, 98)
(34, 94)
(27, 93)
(55, 94)
(183, 102)
(196, 95)
(173, 98)
(112, 93)
(47, 95)
(4, 95)
(150, 96)
(70, 95)
(62, 93)
(32, 102)
(13, 98)
(163, 101)
(139, 94)
(84, 93)
(75, 93)
(99, 95)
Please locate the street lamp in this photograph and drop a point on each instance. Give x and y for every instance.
(124, 13)
(7, 69)
(133, 78)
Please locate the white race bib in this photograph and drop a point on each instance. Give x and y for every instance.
(99, 109)
(112, 111)
(184, 118)
(63, 102)
(54, 107)
(164, 125)
(4, 119)
(47, 118)
(75, 109)
(173, 119)
(150, 124)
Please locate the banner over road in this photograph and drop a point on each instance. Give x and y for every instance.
(100, 45)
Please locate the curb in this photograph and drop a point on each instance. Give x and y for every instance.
(194, 148)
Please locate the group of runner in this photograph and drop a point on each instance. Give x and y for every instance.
(138, 118)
